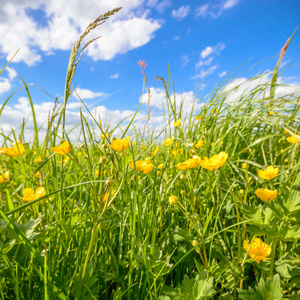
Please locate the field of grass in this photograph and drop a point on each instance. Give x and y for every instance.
(208, 208)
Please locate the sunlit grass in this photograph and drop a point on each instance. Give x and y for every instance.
(184, 213)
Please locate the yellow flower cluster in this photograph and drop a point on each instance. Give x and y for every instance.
(13, 151)
(144, 166)
(259, 250)
(119, 144)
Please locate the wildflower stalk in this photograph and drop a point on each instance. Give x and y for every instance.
(93, 240)
(273, 257)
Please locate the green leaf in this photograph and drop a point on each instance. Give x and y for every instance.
(265, 290)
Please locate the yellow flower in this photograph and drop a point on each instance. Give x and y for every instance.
(30, 195)
(173, 200)
(13, 151)
(177, 151)
(168, 142)
(64, 148)
(245, 166)
(293, 139)
(177, 123)
(259, 250)
(188, 164)
(119, 145)
(198, 118)
(199, 144)
(266, 195)
(269, 173)
(160, 166)
(37, 174)
(142, 166)
(38, 159)
(271, 113)
(4, 177)
(215, 162)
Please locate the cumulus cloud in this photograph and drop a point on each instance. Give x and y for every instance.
(158, 100)
(6, 82)
(12, 116)
(88, 94)
(243, 87)
(63, 22)
(215, 9)
(181, 12)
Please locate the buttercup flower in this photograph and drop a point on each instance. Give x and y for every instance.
(266, 195)
(119, 145)
(4, 177)
(189, 163)
(13, 151)
(269, 173)
(173, 200)
(177, 123)
(168, 142)
(215, 162)
(259, 250)
(199, 144)
(293, 139)
(30, 195)
(63, 149)
(144, 166)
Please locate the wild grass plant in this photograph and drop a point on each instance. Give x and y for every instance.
(208, 208)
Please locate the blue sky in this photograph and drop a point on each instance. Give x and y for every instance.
(197, 39)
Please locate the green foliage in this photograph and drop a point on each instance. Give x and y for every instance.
(105, 230)
(191, 289)
(265, 290)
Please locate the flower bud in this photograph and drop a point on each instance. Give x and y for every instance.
(103, 159)
(182, 176)
(245, 166)
(195, 243)
(173, 200)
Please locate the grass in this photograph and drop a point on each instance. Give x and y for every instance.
(105, 230)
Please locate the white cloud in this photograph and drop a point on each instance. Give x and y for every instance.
(206, 72)
(224, 73)
(159, 5)
(181, 12)
(6, 82)
(114, 76)
(185, 60)
(64, 22)
(215, 9)
(88, 94)
(121, 36)
(176, 38)
(206, 52)
(158, 100)
(207, 56)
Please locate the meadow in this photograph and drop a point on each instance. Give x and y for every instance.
(208, 208)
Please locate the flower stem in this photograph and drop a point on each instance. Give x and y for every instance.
(273, 257)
